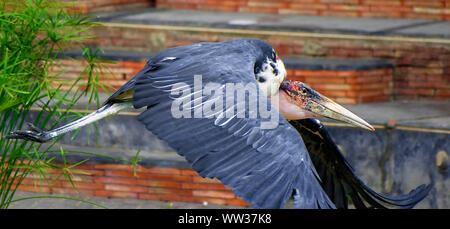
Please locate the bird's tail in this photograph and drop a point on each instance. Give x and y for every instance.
(360, 194)
(337, 177)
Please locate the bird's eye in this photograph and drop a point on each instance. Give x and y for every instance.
(257, 69)
(261, 79)
(274, 55)
(304, 91)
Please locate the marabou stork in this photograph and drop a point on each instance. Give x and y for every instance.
(264, 165)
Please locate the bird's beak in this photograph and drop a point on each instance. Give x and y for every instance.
(311, 101)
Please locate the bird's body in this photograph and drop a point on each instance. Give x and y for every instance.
(215, 104)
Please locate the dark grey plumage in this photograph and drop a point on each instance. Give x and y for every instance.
(263, 167)
(338, 178)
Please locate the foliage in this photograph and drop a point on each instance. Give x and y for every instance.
(32, 34)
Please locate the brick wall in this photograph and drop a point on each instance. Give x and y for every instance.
(113, 74)
(96, 6)
(346, 87)
(114, 180)
(421, 69)
(426, 9)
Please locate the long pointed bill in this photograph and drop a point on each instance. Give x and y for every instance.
(319, 105)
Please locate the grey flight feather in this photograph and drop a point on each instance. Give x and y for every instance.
(262, 166)
(338, 178)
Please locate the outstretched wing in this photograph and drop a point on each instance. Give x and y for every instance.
(337, 177)
(262, 166)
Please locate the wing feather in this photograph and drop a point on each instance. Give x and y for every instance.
(338, 178)
(263, 166)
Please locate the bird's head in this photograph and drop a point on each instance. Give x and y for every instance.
(269, 70)
(298, 101)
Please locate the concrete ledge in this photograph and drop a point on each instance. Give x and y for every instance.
(294, 23)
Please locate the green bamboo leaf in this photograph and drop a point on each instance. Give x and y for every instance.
(31, 31)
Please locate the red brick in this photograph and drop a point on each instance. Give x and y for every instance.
(189, 172)
(160, 170)
(439, 78)
(217, 7)
(384, 2)
(308, 6)
(370, 86)
(31, 182)
(237, 202)
(334, 93)
(382, 14)
(168, 177)
(390, 8)
(160, 197)
(367, 93)
(347, 74)
(204, 186)
(341, 13)
(376, 72)
(213, 193)
(114, 167)
(83, 185)
(296, 78)
(443, 92)
(28, 188)
(84, 166)
(199, 179)
(323, 80)
(371, 99)
(340, 1)
(231, 3)
(430, 3)
(133, 65)
(115, 180)
(267, 4)
(162, 184)
(257, 10)
(299, 11)
(170, 191)
(91, 172)
(348, 7)
(329, 87)
(364, 79)
(346, 100)
(423, 16)
(351, 52)
(120, 173)
(125, 188)
(412, 91)
(428, 85)
(72, 191)
(304, 1)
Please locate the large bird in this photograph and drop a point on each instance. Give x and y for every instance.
(224, 106)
